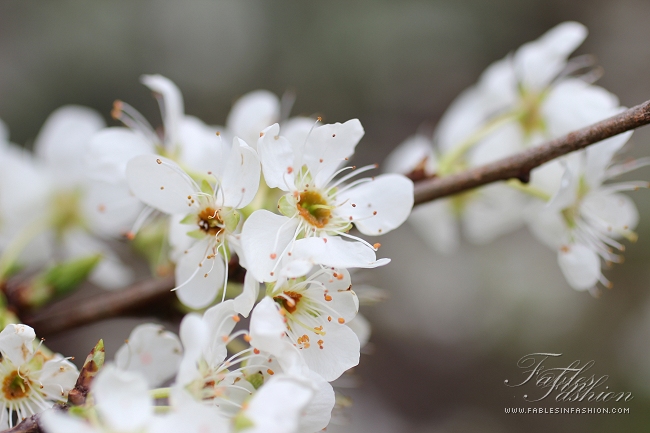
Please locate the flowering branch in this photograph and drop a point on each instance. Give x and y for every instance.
(519, 166)
(69, 314)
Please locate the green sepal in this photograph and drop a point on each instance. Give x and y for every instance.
(196, 234)
(189, 219)
(286, 205)
(256, 379)
(242, 422)
(231, 220)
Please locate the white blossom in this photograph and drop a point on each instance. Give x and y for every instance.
(31, 380)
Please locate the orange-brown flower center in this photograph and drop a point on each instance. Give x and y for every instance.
(289, 301)
(15, 387)
(210, 222)
(314, 208)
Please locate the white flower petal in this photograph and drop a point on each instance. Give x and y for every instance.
(188, 416)
(194, 335)
(361, 326)
(171, 103)
(573, 104)
(276, 154)
(151, 351)
(220, 320)
(252, 113)
(198, 276)
(616, 210)
(265, 234)
(276, 407)
(57, 374)
(241, 177)
(244, 302)
(380, 205)
(463, 117)
(59, 422)
(335, 252)
(160, 183)
(340, 350)
(327, 147)
(580, 266)
(63, 140)
(415, 151)
(200, 147)
(537, 63)
(317, 414)
(16, 343)
(122, 398)
(109, 208)
(110, 149)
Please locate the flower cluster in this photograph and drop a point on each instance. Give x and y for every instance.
(262, 221)
(274, 198)
(533, 95)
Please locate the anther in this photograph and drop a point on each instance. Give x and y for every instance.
(289, 170)
(377, 245)
(256, 351)
(116, 112)
(224, 338)
(374, 212)
(261, 134)
(162, 187)
(271, 372)
(236, 318)
(341, 320)
(329, 318)
(218, 133)
(247, 338)
(328, 298)
(158, 161)
(130, 235)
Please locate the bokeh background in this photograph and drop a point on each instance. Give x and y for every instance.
(454, 326)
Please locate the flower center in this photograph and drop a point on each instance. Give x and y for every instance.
(15, 387)
(288, 300)
(314, 208)
(210, 221)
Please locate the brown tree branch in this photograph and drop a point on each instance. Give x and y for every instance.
(519, 166)
(70, 313)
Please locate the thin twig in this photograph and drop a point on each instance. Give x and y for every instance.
(520, 165)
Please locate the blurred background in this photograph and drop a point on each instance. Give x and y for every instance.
(454, 326)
